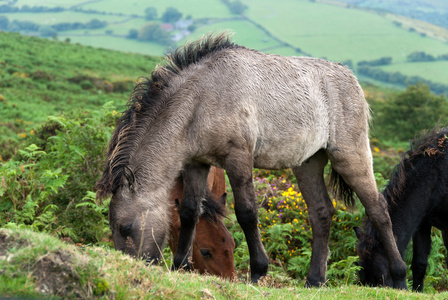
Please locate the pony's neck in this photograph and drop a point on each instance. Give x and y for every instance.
(404, 219)
(161, 151)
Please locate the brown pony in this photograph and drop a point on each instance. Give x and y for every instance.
(213, 244)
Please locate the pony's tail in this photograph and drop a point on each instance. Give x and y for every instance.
(341, 190)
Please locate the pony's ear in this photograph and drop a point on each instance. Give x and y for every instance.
(359, 233)
(129, 177)
(222, 200)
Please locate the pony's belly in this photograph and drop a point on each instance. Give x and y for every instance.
(286, 155)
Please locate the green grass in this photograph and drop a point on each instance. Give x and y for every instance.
(95, 272)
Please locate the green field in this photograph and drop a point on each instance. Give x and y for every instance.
(339, 33)
(318, 29)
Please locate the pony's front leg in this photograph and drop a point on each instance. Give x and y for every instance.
(239, 165)
(310, 177)
(421, 249)
(195, 183)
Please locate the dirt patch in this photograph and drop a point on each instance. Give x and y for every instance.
(56, 275)
(7, 242)
(62, 273)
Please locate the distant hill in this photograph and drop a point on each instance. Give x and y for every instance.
(343, 31)
(431, 11)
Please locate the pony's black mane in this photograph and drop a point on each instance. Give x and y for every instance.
(431, 144)
(146, 94)
(211, 209)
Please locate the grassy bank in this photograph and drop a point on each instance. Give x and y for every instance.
(41, 266)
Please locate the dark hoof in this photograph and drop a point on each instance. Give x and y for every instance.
(259, 270)
(401, 285)
(185, 267)
(255, 277)
(313, 283)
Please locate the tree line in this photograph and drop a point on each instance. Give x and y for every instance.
(369, 69)
(48, 30)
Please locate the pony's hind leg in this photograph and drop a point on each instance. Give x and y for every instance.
(421, 249)
(238, 165)
(320, 209)
(354, 164)
(195, 183)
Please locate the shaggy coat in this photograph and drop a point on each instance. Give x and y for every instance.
(216, 103)
(417, 196)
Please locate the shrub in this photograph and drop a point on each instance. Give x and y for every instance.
(48, 185)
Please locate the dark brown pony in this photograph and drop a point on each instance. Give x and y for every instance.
(213, 244)
(417, 195)
(217, 103)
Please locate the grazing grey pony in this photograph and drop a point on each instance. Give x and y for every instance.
(217, 103)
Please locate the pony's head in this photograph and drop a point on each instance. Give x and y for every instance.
(372, 259)
(213, 244)
(138, 229)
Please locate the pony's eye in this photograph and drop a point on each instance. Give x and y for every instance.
(125, 230)
(206, 253)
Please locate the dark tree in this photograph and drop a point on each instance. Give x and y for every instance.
(95, 24)
(420, 56)
(237, 7)
(171, 15)
(153, 32)
(47, 31)
(151, 13)
(132, 34)
(4, 22)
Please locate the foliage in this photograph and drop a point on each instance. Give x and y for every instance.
(417, 56)
(133, 33)
(150, 13)
(171, 15)
(48, 185)
(401, 79)
(401, 117)
(377, 62)
(47, 31)
(4, 22)
(236, 7)
(287, 233)
(153, 32)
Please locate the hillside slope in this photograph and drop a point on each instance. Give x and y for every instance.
(319, 28)
(39, 78)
